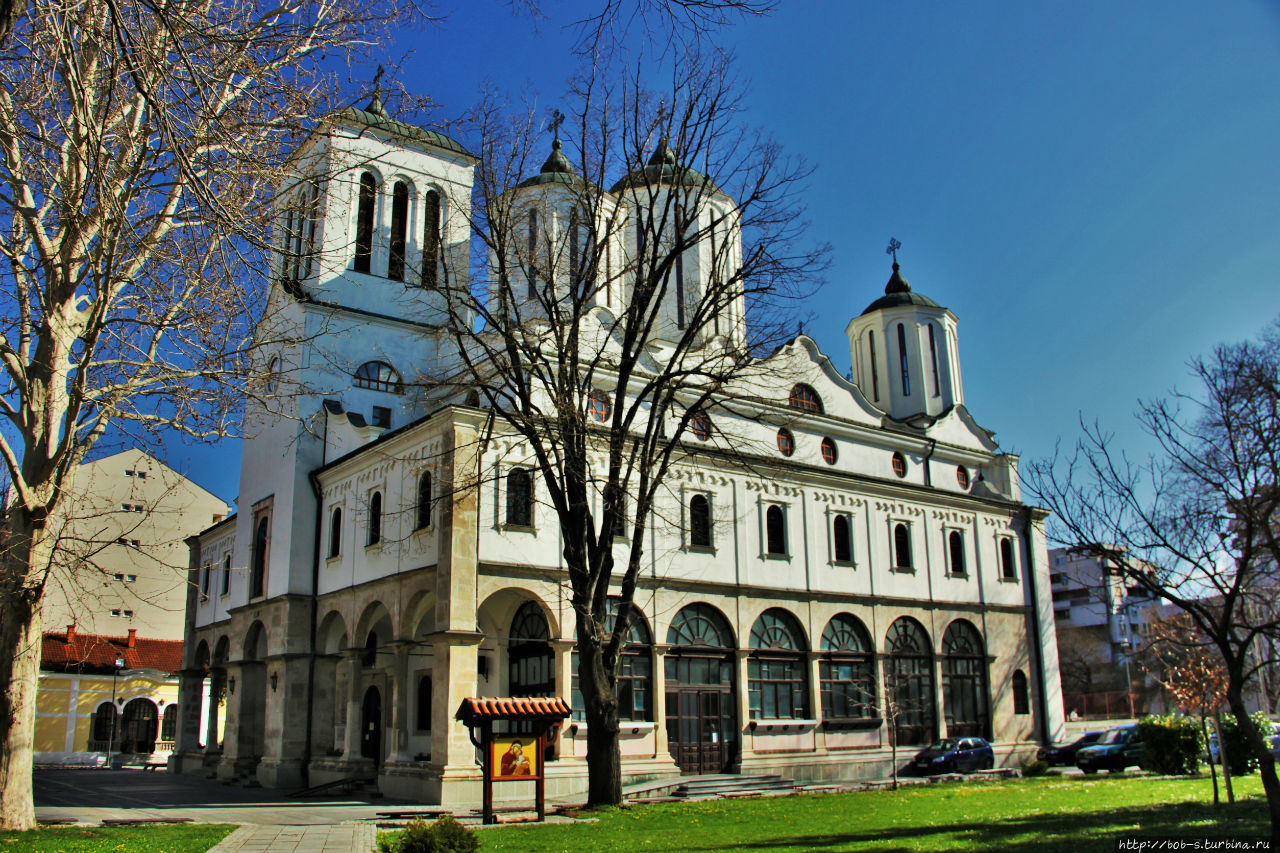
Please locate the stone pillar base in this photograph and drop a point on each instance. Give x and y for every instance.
(280, 773)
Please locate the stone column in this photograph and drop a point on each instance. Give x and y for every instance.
(453, 756)
(562, 651)
(815, 699)
(231, 727)
(351, 730)
(743, 695)
(186, 750)
(398, 732)
(216, 697)
(659, 683)
(286, 721)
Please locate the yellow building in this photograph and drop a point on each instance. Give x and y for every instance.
(106, 694)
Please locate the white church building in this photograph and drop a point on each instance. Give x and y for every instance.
(390, 556)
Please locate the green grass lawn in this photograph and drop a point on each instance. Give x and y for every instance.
(1064, 813)
(173, 838)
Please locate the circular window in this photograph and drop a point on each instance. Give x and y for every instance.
(786, 442)
(701, 427)
(962, 476)
(899, 464)
(829, 454)
(599, 407)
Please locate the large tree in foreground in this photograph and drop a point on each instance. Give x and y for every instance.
(1197, 524)
(141, 144)
(612, 316)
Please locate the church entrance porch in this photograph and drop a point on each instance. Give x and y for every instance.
(702, 728)
(700, 722)
(371, 726)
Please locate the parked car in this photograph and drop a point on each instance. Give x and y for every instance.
(1066, 753)
(1117, 749)
(1210, 755)
(955, 755)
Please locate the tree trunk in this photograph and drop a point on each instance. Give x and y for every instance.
(1266, 764)
(1213, 771)
(21, 589)
(604, 757)
(1222, 756)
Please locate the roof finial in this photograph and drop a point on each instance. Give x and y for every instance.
(557, 119)
(556, 162)
(894, 246)
(375, 103)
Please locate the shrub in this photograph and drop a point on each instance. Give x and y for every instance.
(445, 835)
(1170, 744)
(1035, 768)
(1238, 751)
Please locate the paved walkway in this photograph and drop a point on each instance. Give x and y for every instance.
(340, 838)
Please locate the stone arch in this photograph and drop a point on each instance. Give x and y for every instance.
(374, 616)
(221, 651)
(418, 617)
(331, 635)
(201, 658)
(496, 612)
(256, 643)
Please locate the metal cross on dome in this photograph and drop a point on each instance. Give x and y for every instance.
(557, 119)
(894, 246)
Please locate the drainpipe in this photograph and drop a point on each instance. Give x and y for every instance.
(1045, 735)
(928, 472)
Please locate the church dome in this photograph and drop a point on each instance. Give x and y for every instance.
(556, 170)
(663, 168)
(898, 292)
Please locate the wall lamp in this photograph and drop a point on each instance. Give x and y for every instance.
(231, 684)
(275, 679)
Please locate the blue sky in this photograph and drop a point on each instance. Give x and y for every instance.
(1092, 187)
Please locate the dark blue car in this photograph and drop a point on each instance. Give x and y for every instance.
(955, 755)
(1117, 749)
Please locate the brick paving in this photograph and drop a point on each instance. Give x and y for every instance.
(336, 838)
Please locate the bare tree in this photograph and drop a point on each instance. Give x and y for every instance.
(141, 144)
(609, 322)
(1197, 524)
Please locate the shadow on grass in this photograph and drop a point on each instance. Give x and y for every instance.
(1069, 833)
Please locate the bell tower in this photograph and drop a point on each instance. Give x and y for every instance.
(905, 351)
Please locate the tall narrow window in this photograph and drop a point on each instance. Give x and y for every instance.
(933, 358)
(902, 354)
(699, 522)
(713, 279)
(901, 546)
(964, 681)
(424, 704)
(335, 532)
(875, 375)
(424, 501)
(519, 498)
(955, 548)
(374, 527)
(775, 531)
(258, 566)
(1008, 568)
(364, 222)
(399, 227)
(533, 254)
(430, 238)
(680, 291)
(205, 571)
(841, 542)
(1021, 695)
(847, 671)
(226, 575)
(777, 671)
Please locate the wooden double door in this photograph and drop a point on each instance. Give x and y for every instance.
(702, 719)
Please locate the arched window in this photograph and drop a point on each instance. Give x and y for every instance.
(806, 399)
(701, 705)
(424, 501)
(777, 671)
(226, 575)
(902, 354)
(258, 566)
(899, 464)
(775, 527)
(933, 358)
(374, 526)
(205, 571)
(531, 261)
(875, 375)
(846, 673)
(700, 625)
(962, 476)
(909, 681)
(786, 442)
(1008, 567)
(379, 376)
(424, 704)
(964, 682)
(519, 498)
(841, 540)
(105, 726)
(699, 521)
(581, 245)
(1021, 695)
(169, 723)
(399, 229)
(531, 670)
(680, 296)
(300, 223)
(955, 551)
(364, 222)
(635, 670)
(901, 546)
(829, 454)
(335, 532)
(431, 239)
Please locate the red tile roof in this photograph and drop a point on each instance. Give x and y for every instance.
(473, 710)
(95, 653)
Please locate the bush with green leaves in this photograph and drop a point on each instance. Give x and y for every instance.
(445, 835)
(1171, 744)
(1037, 767)
(1238, 752)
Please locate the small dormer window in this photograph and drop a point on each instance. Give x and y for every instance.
(379, 376)
(803, 397)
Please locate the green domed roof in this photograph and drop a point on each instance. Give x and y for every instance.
(556, 170)
(663, 168)
(375, 116)
(898, 292)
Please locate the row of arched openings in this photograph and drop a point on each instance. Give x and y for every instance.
(136, 729)
(397, 255)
